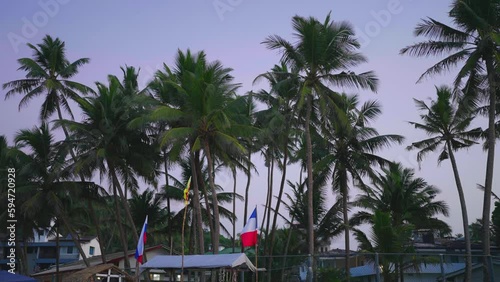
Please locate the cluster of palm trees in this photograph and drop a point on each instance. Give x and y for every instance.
(190, 116)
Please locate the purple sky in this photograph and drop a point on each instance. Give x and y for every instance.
(147, 34)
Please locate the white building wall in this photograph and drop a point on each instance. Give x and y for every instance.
(86, 248)
(150, 254)
(40, 235)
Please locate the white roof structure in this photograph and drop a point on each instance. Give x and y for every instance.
(239, 261)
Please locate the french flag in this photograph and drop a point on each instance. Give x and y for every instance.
(249, 233)
(139, 252)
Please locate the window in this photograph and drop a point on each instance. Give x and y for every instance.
(155, 277)
(70, 250)
(91, 251)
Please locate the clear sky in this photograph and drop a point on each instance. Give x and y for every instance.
(147, 34)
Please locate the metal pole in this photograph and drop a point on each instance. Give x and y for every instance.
(441, 260)
(377, 268)
(490, 266)
(309, 269)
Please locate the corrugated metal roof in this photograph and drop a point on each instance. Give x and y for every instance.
(434, 268)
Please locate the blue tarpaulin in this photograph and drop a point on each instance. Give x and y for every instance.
(6, 276)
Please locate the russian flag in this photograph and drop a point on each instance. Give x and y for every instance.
(249, 233)
(139, 252)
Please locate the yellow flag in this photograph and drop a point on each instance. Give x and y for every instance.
(186, 192)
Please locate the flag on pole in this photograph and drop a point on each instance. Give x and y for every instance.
(139, 252)
(186, 192)
(249, 233)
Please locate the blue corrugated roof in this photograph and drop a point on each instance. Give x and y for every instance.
(369, 269)
(365, 270)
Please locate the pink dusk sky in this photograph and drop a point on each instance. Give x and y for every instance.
(146, 34)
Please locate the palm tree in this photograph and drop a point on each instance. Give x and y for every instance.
(149, 204)
(386, 239)
(44, 169)
(106, 144)
(321, 50)
(11, 161)
(448, 126)
(222, 197)
(327, 219)
(48, 73)
(470, 42)
(405, 199)
(200, 117)
(281, 111)
(351, 146)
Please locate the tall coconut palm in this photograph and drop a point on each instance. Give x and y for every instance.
(470, 43)
(106, 144)
(447, 126)
(327, 219)
(281, 111)
(405, 199)
(149, 204)
(222, 197)
(386, 239)
(48, 73)
(44, 167)
(322, 55)
(352, 147)
(202, 92)
(12, 161)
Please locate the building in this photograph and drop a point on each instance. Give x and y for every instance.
(116, 259)
(453, 272)
(41, 251)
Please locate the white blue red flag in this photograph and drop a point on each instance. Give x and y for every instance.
(249, 233)
(139, 252)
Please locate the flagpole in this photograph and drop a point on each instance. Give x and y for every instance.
(137, 278)
(256, 253)
(186, 202)
(182, 243)
(256, 262)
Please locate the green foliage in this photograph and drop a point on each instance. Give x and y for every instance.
(331, 275)
(495, 224)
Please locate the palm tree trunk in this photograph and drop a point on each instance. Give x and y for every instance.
(95, 220)
(22, 249)
(310, 207)
(124, 202)
(278, 202)
(73, 156)
(247, 189)
(123, 237)
(58, 277)
(267, 199)
(201, 182)
(215, 202)
(287, 246)
(197, 209)
(270, 195)
(196, 204)
(169, 210)
(234, 209)
(465, 218)
(489, 167)
(74, 236)
(345, 199)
